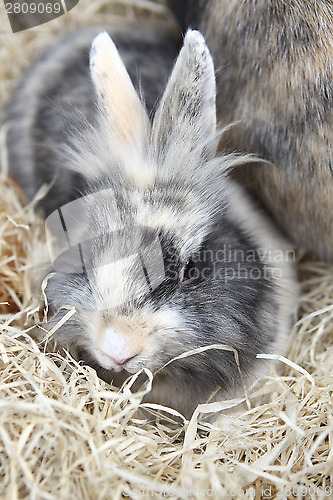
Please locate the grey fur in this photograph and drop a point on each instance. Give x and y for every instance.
(274, 77)
(57, 85)
(162, 181)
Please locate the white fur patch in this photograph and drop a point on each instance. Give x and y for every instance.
(123, 109)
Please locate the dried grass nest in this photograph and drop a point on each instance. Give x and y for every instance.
(66, 434)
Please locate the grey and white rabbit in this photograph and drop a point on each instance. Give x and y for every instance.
(274, 69)
(165, 253)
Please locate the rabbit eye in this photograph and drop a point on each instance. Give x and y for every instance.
(189, 271)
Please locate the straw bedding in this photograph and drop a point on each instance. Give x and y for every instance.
(66, 434)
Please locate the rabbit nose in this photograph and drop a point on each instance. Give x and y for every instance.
(120, 362)
(118, 347)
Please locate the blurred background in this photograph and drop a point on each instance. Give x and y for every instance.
(18, 49)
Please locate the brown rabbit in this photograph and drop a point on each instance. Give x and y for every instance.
(274, 75)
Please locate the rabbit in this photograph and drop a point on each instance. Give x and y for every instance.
(163, 252)
(55, 86)
(274, 71)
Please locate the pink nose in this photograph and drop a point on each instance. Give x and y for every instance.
(117, 347)
(120, 361)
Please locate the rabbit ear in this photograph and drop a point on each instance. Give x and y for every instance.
(186, 117)
(117, 98)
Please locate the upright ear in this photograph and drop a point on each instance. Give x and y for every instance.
(186, 117)
(120, 104)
